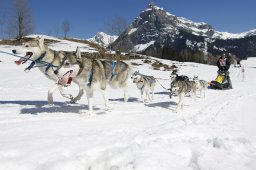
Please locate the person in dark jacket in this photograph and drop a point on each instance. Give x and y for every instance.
(223, 64)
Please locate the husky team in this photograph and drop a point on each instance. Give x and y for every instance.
(95, 74)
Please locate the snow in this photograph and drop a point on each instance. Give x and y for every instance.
(227, 35)
(214, 133)
(132, 30)
(141, 47)
(103, 39)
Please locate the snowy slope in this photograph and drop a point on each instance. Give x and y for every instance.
(214, 133)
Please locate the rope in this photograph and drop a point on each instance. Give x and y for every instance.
(41, 62)
(161, 78)
(162, 85)
(34, 62)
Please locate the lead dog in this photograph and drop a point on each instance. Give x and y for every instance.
(47, 61)
(144, 84)
(93, 74)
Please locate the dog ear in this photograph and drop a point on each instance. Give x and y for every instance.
(40, 42)
(78, 53)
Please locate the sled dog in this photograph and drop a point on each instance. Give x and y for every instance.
(144, 84)
(176, 77)
(181, 88)
(46, 60)
(94, 74)
(201, 85)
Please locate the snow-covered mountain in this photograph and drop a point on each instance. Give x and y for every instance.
(159, 33)
(103, 39)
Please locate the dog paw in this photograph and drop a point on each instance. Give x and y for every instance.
(50, 104)
(73, 101)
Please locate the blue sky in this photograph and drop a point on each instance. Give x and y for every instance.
(87, 17)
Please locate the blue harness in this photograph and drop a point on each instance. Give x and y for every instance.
(90, 78)
(113, 65)
(35, 62)
(39, 60)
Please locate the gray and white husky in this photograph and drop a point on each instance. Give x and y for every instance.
(201, 85)
(94, 74)
(181, 88)
(144, 84)
(44, 58)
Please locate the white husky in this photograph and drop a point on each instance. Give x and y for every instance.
(201, 85)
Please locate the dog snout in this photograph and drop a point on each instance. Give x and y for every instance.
(14, 51)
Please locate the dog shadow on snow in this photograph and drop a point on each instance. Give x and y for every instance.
(166, 104)
(130, 99)
(37, 107)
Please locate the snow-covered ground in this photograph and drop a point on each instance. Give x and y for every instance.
(215, 133)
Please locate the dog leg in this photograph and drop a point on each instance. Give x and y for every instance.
(78, 97)
(147, 92)
(193, 94)
(89, 95)
(126, 93)
(201, 93)
(152, 95)
(106, 101)
(142, 95)
(181, 97)
(50, 92)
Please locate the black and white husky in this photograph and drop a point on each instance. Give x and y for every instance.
(145, 84)
(182, 87)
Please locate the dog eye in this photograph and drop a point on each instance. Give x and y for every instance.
(26, 46)
(67, 64)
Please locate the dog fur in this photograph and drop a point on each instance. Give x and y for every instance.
(144, 84)
(97, 74)
(181, 88)
(35, 49)
(201, 85)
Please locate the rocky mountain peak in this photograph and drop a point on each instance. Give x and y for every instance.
(162, 34)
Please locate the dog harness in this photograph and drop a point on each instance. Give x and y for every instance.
(39, 60)
(90, 78)
(113, 65)
(35, 62)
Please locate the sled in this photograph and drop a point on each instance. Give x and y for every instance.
(222, 82)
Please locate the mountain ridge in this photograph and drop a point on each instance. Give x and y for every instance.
(164, 35)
